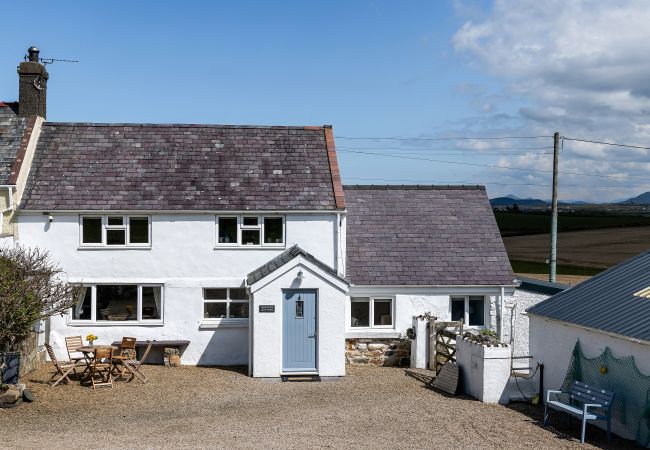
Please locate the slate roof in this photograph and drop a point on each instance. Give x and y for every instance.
(12, 128)
(284, 258)
(606, 301)
(540, 286)
(89, 166)
(423, 235)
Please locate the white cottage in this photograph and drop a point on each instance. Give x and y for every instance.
(238, 240)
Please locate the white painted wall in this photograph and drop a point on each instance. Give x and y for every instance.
(552, 343)
(183, 259)
(415, 301)
(267, 327)
(485, 371)
(515, 324)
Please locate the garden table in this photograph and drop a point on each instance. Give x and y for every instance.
(88, 352)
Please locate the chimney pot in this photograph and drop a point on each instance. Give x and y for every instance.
(33, 53)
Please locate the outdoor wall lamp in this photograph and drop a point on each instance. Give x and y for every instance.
(300, 276)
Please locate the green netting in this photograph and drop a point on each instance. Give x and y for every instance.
(620, 375)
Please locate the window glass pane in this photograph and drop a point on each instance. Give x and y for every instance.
(457, 309)
(476, 311)
(360, 313)
(115, 237)
(227, 230)
(82, 309)
(116, 220)
(300, 309)
(250, 221)
(382, 312)
(151, 305)
(92, 230)
(214, 310)
(238, 294)
(273, 230)
(215, 294)
(238, 310)
(138, 230)
(118, 302)
(250, 237)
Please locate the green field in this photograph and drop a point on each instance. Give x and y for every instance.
(519, 224)
(561, 269)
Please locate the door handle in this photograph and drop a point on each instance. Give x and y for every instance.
(313, 336)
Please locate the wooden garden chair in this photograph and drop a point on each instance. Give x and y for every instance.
(72, 344)
(133, 365)
(102, 366)
(126, 352)
(63, 369)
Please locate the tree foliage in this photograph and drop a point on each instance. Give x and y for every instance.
(32, 288)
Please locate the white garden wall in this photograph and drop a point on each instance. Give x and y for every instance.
(484, 370)
(552, 344)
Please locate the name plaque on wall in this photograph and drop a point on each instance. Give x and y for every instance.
(267, 308)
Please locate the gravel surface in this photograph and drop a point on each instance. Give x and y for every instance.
(194, 407)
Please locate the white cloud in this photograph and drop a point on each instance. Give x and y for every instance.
(578, 67)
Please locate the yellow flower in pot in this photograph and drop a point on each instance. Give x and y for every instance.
(91, 338)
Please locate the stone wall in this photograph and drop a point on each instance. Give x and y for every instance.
(31, 358)
(378, 352)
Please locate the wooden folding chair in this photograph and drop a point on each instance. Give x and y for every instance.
(133, 366)
(126, 352)
(63, 369)
(102, 365)
(72, 343)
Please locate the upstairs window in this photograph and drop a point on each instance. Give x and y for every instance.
(250, 231)
(115, 231)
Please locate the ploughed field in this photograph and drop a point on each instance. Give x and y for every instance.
(195, 407)
(587, 244)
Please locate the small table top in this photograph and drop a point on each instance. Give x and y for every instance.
(92, 348)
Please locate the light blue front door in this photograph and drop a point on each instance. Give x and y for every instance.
(299, 331)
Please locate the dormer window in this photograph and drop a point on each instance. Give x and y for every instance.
(250, 231)
(115, 231)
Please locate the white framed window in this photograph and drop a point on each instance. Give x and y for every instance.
(225, 304)
(114, 231)
(250, 231)
(471, 309)
(372, 312)
(119, 304)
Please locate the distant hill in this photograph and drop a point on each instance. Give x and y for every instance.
(502, 202)
(643, 199)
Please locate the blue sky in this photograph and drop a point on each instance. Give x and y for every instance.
(369, 68)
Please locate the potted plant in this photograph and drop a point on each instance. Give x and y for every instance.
(32, 288)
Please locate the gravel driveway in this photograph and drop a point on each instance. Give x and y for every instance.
(196, 407)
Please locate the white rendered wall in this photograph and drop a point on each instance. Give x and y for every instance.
(267, 328)
(484, 370)
(515, 324)
(411, 302)
(552, 343)
(183, 259)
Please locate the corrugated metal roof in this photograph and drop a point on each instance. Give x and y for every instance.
(606, 302)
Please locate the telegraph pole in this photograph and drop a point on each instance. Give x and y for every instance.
(553, 258)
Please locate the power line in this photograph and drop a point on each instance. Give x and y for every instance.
(473, 155)
(546, 147)
(605, 143)
(494, 166)
(441, 139)
(388, 180)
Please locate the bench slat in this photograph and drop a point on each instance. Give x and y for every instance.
(573, 410)
(590, 394)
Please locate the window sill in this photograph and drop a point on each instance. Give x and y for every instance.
(250, 247)
(113, 247)
(378, 333)
(117, 323)
(225, 323)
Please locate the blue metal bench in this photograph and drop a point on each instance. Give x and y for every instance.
(587, 402)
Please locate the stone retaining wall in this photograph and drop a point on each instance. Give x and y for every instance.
(378, 352)
(31, 358)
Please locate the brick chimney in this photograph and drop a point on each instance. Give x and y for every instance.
(32, 85)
